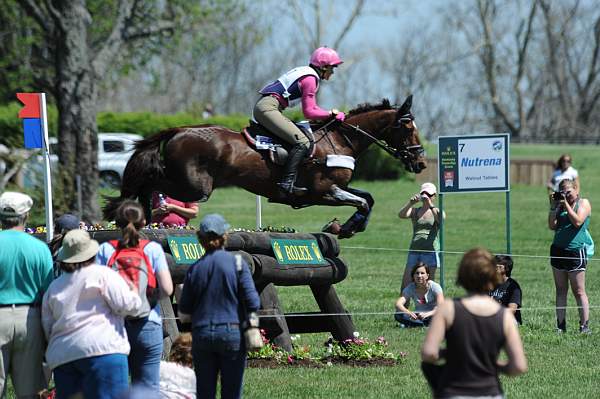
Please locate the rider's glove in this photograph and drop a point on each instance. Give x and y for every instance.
(340, 116)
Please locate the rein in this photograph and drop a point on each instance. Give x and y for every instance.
(396, 153)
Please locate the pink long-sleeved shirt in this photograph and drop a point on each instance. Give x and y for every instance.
(310, 109)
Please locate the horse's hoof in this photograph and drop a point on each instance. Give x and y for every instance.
(346, 234)
(333, 227)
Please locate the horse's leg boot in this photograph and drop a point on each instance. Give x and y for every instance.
(295, 157)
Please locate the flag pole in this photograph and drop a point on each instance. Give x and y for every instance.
(47, 172)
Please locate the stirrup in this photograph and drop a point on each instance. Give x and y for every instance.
(291, 189)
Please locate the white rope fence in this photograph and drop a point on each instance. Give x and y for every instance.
(460, 253)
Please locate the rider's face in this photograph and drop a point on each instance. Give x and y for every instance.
(327, 72)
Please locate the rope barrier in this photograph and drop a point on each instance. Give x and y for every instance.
(389, 313)
(459, 252)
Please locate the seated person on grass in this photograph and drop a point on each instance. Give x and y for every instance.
(425, 293)
(508, 293)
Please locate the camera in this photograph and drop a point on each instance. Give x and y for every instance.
(558, 195)
(424, 197)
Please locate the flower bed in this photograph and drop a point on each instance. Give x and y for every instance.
(356, 352)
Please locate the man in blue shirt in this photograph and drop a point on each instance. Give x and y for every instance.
(25, 273)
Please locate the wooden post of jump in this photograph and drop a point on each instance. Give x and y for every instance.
(341, 325)
(276, 326)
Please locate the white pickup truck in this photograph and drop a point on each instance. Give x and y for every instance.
(114, 150)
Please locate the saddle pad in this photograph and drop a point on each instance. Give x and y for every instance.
(261, 139)
(340, 161)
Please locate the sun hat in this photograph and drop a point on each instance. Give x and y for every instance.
(67, 222)
(213, 223)
(77, 246)
(428, 188)
(14, 204)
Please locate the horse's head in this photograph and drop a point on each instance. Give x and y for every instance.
(403, 136)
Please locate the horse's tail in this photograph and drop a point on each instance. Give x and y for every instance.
(144, 167)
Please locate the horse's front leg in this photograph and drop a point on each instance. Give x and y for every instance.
(362, 200)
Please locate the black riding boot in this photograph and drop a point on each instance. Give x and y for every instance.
(295, 157)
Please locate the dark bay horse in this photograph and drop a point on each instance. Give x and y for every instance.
(188, 163)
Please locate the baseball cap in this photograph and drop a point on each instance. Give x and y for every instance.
(14, 204)
(77, 246)
(67, 222)
(213, 223)
(428, 188)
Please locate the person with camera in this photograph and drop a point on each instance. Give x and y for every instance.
(569, 217)
(424, 245)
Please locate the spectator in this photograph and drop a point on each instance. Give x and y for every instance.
(562, 170)
(475, 328)
(425, 293)
(208, 111)
(177, 377)
(145, 333)
(508, 293)
(211, 296)
(569, 217)
(424, 245)
(63, 225)
(171, 212)
(83, 317)
(25, 273)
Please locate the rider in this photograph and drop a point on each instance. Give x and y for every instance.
(299, 83)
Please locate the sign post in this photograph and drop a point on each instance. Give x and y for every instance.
(471, 164)
(35, 130)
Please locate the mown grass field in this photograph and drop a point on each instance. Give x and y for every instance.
(559, 365)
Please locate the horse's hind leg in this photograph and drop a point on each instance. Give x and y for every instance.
(362, 200)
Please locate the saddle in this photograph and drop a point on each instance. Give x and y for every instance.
(261, 139)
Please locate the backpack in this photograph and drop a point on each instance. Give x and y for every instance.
(133, 265)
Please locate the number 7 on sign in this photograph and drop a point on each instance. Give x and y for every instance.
(462, 146)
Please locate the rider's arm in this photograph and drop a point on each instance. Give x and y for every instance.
(310, 109)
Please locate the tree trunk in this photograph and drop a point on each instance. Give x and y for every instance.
(76, 100)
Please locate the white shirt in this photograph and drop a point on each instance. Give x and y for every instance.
(177, 381)
(558, 175)
(83, 315)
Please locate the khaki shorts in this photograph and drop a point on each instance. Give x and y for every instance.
(23, 343)
(267, 112)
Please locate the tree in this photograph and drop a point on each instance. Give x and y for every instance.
(535, 67)
(83, 41)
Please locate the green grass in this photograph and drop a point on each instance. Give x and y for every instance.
(559, 366)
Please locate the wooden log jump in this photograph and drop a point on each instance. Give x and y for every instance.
(318, 268)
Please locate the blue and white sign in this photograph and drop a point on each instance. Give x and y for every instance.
(473, 163)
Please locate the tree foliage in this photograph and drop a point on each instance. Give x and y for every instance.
(76, 44)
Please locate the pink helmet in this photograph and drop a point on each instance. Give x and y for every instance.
(324, 56)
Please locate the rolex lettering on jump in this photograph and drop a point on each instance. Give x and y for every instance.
(185, 249)
(297, 251)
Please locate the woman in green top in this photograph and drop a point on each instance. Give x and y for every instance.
(569, 217)
(424, 245)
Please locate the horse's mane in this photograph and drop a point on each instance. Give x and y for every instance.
(366, 107)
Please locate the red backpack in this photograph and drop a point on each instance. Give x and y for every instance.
(133, 265)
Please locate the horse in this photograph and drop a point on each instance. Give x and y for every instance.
(188, 163)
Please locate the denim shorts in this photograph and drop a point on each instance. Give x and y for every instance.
(430, 258)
